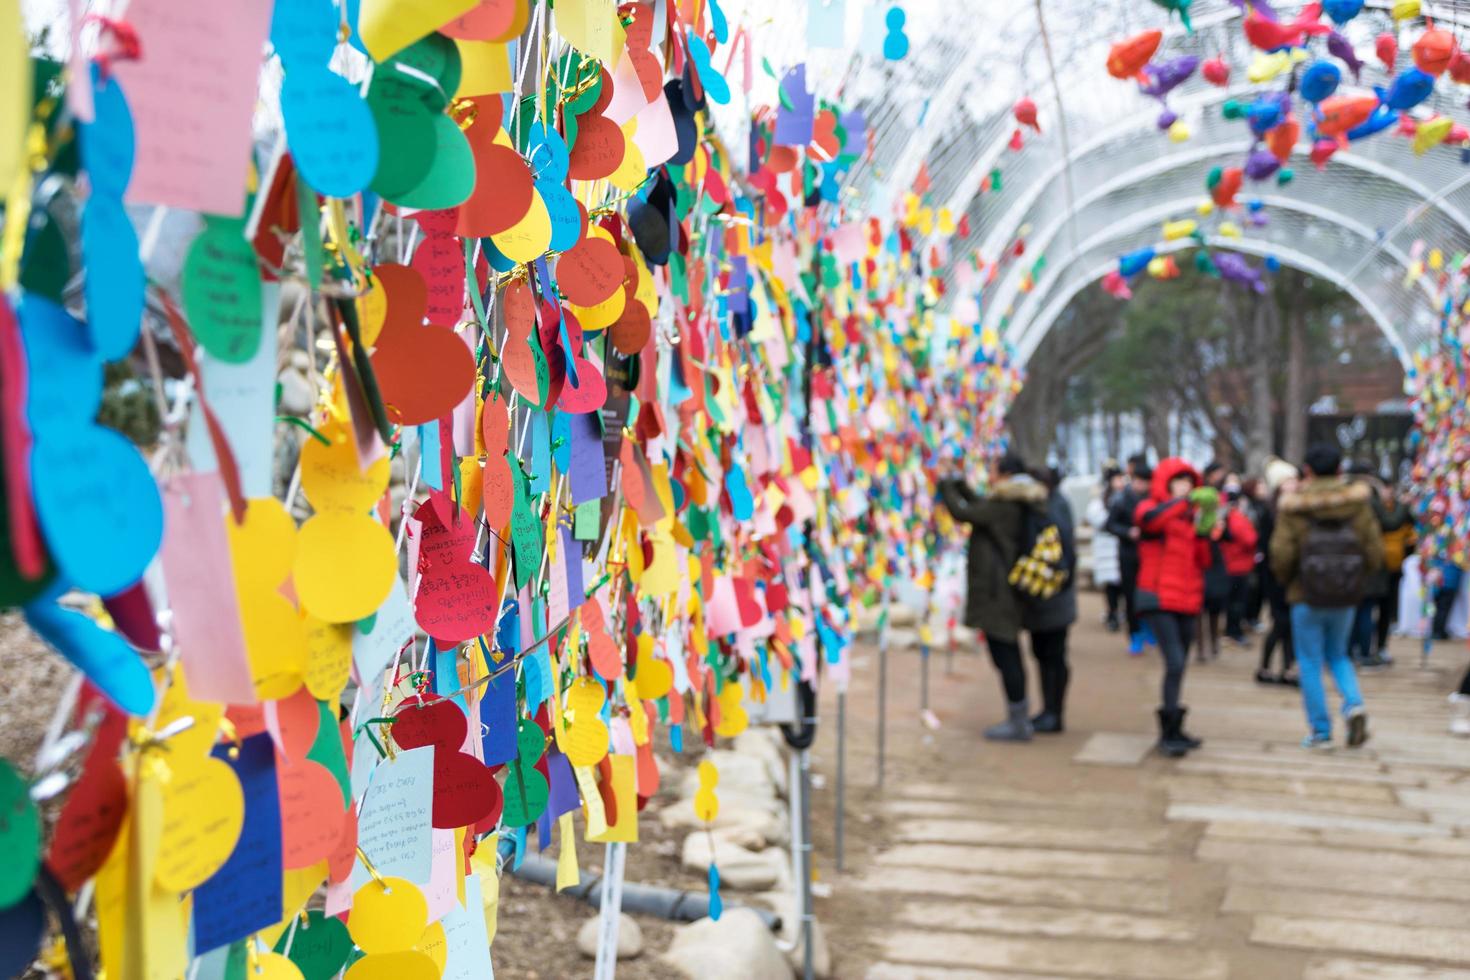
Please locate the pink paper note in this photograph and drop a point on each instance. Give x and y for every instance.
(79, 82)
(655, 136)
(443, 890)
(722, 612)
(201, 590)
(627, 99)
(193, 96)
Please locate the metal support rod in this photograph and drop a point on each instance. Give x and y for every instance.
(808, 918)
(882, 684)
(841, 773)
(609, 913)
(923, 677)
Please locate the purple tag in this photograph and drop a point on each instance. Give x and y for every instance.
(739, 295)
(794, 126)
(588, 470)
(576, 592)
(563, 797)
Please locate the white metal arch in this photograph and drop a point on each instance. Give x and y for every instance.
(1287, 256)
(1030, 327)
(1004, 294)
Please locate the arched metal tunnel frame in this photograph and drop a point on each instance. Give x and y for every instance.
(1357, 224)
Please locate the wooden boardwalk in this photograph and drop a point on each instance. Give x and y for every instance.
(1086, 855)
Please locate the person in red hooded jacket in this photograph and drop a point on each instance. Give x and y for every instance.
(1240, 548)
(1172, 556)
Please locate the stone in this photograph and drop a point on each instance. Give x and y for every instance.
(1394, 942)
(1141, 896)
(1042, 920)
(1278, 817)
(1345, 969)
(791, 937)
(765, 743)
(1054, 957)
(296, 394)
(747, 819)
(1027, 835)
(630, 937)
(1115, 749)
(1282, 900)
(1025, 861)
(739, 773)
(737, 947)
(740, 869)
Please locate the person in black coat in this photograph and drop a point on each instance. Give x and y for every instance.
(997, 520)
(1120, 525)
(1048, 620)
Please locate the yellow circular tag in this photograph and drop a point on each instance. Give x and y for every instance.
(263, 547)
(333, 480)
(328, 657)
(274, 642)
(527, 239)
(203, 810)
(406, 965)
(435, 945)
(344, 566)
(274, 966)
(388, 918)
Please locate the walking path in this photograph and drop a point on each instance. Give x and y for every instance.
(1086, 855)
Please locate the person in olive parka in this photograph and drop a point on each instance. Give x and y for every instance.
(991, 606)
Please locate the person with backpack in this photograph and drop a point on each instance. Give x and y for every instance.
(1120, 524)
(1326, 548)
(1173, 553)
(998, 521)
(1047, 615)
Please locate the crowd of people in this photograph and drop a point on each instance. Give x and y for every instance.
(1189, 559)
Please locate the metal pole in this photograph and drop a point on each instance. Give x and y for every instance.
(808, 919)
(923, 677)
(609, 914)
(949, 656)
(841, 771)
(882, 683)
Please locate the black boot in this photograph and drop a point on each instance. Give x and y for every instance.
(1170, 743)
(1184, 736)
(1047, 723)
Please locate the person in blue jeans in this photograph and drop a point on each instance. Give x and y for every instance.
(1326, 550)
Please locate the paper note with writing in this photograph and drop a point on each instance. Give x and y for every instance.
(244, 895)
(392, 627)
(593, 28)
(193, 96)
(466, 936)
(393, 829)
(243, 397)
(443, 887)
(201, 590)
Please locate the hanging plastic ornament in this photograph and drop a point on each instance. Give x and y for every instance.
(1386, 46)
(1025, 112)
(1434, 51)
